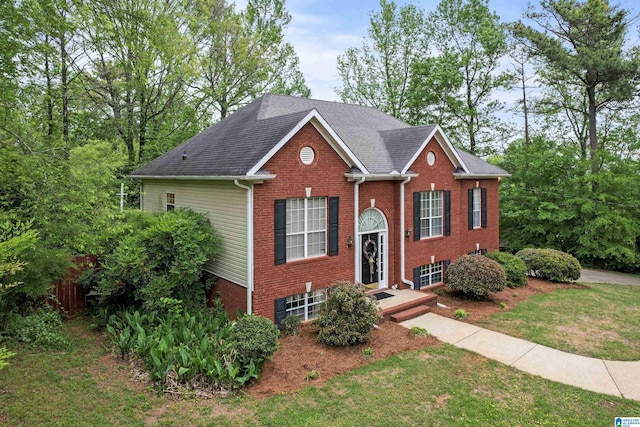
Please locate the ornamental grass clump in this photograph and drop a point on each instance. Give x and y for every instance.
(550, 264)
(514, 268)
(475, 276)
(347, 316)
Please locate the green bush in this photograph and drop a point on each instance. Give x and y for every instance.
(514, 268)
(256, 339)
(154, 257)
(347, 316)
(550, 264)
(475, 276)
(39, 329)
(290, 325)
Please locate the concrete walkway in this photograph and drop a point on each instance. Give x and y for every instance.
(603, 376)
(598, 276)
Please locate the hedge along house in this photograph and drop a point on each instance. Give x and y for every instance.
(306, 192)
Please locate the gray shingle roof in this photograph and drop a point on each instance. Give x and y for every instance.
(233, 146)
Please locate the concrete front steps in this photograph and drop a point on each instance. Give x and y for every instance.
(407, 304)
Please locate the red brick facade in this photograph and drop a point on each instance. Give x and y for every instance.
(326, 178)
(232, 296)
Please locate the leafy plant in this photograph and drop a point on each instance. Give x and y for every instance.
(4, 355)
(347, 316)
(503, 305)
(417, 331)
(367, 352)
(550, 264)
(312, 375)
(460, 313)
(514, 268)
(290, 325)
(475, 276)
(38, 329)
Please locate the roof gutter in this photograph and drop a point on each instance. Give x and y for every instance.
(249, 189)
(402, 237)
(480, 175)
(355, 177)
(257, 179)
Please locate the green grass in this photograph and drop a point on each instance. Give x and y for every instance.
(598, 321)
(438, 386)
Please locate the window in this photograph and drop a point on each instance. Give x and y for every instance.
(306, 228)
(306, 305)
(476, 207)
(430, 274)
(171, 201)
(430, 213)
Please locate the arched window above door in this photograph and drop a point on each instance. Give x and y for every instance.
(371, 220)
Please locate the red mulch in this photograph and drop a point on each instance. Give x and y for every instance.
(299, 355)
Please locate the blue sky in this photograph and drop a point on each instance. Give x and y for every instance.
(320, 30)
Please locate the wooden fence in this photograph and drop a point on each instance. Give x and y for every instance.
(69, 295)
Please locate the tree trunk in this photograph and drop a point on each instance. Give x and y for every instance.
(49, 94)
(593, 137)
(525, 110)
(64, 82)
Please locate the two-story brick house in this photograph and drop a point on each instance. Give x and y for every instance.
(306, 192)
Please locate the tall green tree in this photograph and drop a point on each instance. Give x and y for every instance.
(139, 56)
(378, 73)
(242, 54)
(456, 87)
(582, 43)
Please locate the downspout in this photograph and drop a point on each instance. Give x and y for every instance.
(249, 244)
(356, 210)
(402, 237)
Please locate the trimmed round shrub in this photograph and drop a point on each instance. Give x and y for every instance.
(514, 268)
(256, 339)
(475, 276)
(347, 316)
(290, 325)
(550, 264)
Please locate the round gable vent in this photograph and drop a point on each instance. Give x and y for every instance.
(431, 158)
(307, 155)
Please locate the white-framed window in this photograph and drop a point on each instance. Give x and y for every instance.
(306, 305)
(306, 228)
(171, 202)
(477, 195)
(431, 214)
(430, 274)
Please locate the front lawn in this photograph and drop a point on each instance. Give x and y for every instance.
(439, 385)
(597, 321)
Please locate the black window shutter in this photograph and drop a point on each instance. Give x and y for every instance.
(483, 251)
(444, 270)
(483, 208)
(281, 310)
(447, 213)
(416, 215)
(470, 213)
(333, 225)
(416, 278)
(280, 231)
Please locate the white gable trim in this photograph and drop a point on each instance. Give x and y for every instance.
(446, 145)
(325, 130)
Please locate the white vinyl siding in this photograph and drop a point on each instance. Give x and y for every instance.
(224, 204)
